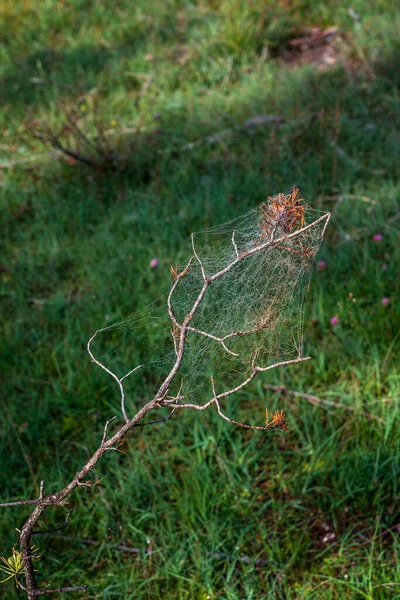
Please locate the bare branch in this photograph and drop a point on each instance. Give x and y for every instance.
(198, 259)
(163, 390)
(217, 339)
(20, 503)
(89, 483)
(240, 386)
(176, 398)
(161, 398)
(328, 218)
(156, 420)
(130, 372)
(39, 531)
(283, 363)
(90, 542)
(262, 247)
(62, 590)
(234, 244)
(174, 342)
(267, 427)
(173, 288)
(222, 340)
(103, 439)
(233, 422)
(194, 406)
(244, 559)
(321, 401)
(113, 375)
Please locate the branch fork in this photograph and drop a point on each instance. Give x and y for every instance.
(160, 399)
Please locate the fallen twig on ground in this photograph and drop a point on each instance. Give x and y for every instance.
(321, 401)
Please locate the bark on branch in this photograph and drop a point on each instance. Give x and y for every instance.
(160, 399)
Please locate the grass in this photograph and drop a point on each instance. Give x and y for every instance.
(319, 505)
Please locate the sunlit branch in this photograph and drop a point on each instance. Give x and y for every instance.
(264, 246)
(234, 244)
(198, 259)
(161, 397)
(113, 375)
(103, 439)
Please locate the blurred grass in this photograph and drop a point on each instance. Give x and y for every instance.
(320, 504)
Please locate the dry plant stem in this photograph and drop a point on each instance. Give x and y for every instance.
(60, 498)
(40, 531)
(320, 401)
(262, 247)
(161, 398)
(234, 244)
(74, 588)
(239, 258)
(117, 379)
(226, 337)
(55, 142)
(91, 151)
(217, 397)
(137, 551)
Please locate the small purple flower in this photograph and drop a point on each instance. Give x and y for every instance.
(378, 237)
(321, 265)
(384, 267)
(334, 321)
(154, 263)
(385, 301)
(157, 116)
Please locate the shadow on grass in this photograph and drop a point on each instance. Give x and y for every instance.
(43, 76)
(187, 181)
(325, 131)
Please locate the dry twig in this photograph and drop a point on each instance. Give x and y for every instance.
(320, 401)
(161, 397)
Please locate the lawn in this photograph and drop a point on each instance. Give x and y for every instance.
(191, 114)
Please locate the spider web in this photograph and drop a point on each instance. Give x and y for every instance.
(251, 314)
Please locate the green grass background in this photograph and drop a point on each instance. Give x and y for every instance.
(76, 246)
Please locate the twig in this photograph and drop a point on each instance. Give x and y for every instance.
(90, 542)
(311, 119)
(160, 399)
(156, 420)
(103, 439)
(119, 381)
(240, 386)
(21, 502)
(137, 551)
(40, 531)
(198, 259)
(384, 400)
(222, 340)
(234, 244)
(173, 288)
(318, 401)
(244, 559)
(23, 161)
(262, 247)
(382, 533)
(216, 338)
(57, 144)
(62, 590)
(252, 125)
